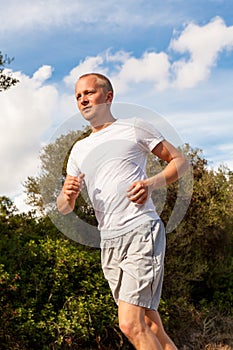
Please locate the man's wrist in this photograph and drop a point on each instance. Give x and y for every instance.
(156, 181)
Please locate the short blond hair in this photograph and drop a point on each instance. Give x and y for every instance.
(103, 81)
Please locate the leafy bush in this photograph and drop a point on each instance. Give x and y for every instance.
(53, 291)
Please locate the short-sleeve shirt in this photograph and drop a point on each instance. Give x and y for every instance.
(112, 159)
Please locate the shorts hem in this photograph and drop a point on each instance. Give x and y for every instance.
(145, 305)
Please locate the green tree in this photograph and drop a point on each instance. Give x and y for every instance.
(6, 80)
(52, 291)
(199, 260)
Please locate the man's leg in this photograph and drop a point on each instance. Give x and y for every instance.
(153, 320)
(132, 324)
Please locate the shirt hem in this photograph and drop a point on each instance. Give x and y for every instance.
(108, 234)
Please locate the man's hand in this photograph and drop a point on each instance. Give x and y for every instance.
(138, 192)
(70, 191)
(72, 186)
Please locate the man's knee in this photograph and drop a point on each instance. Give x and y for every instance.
(131, 320)
(131, 328)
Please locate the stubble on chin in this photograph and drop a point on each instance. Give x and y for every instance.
(95, 115)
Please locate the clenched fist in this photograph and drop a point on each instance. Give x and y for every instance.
(138, 192)
(70, 191)
(72, 186)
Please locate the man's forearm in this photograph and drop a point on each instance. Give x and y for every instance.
(172, 172)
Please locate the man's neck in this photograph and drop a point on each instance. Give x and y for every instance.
(97, 128)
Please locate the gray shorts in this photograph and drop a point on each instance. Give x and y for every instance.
(133, 264)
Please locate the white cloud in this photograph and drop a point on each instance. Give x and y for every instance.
(90, 64)
(26, 111)
(117, 57)
(43, 14)
(40, 15)
(42, 74)
(151, 67)
(20, 202)
(126, 70)
(203, 44)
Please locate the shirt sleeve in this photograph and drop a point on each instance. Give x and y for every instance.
(147, 136)
(72, 167)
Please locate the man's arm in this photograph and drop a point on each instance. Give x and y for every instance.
(69, 193)
(176, 167)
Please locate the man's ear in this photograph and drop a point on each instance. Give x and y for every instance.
(109, 96)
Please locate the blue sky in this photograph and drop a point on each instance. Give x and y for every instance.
(173, 57)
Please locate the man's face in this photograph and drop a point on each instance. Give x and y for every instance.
(91, 98)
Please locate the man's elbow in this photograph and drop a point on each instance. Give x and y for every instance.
(184, 166)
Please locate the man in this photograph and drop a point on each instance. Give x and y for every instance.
(112, 160)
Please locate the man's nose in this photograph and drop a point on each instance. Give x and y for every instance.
(84, 100)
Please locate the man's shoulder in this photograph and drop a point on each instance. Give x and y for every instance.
(81, 142)
(127, 122)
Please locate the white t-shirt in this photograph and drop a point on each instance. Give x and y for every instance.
(111, 160)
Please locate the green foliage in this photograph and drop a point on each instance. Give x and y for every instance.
(6, 80)
(52, 291)
(199, 259)
(205, 237)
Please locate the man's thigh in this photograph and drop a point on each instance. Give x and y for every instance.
(133, 265)
(142, 268)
